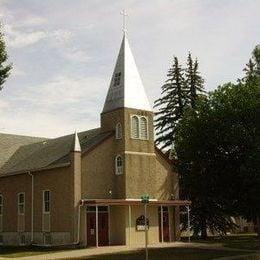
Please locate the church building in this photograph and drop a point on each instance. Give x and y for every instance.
(85, 188)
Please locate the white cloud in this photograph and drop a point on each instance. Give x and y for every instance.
(19, 39)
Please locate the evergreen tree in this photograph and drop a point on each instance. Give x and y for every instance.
(4, 68)
(194, 81)
(252, 69)
(170, 105)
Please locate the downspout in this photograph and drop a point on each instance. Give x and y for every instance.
(79, 218)
(32, 209)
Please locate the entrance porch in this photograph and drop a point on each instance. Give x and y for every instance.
(121, 222)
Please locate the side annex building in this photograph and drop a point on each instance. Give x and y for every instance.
(85, 188)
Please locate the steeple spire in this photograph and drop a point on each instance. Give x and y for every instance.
(76, 144)
(126, 87)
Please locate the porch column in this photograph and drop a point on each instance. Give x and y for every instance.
(129, 223)
(108, 224)
(162, 238)
(96, 225)
(188, 213)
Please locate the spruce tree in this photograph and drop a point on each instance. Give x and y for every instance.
(252, 68)
(194, 82)
(170, 106)
(4, 68)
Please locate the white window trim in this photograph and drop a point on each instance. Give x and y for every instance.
(2, 204)
(139, 127)
(117, 172)
(131, 120)
(118, 133)
(43, 202)
(19, 204)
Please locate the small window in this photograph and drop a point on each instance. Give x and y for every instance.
(1, 205)
(117, 79)
(143, 128)
(46, 201)
(119, 165)
(135, 127)
(21, 203)
(47, 239)
(118, 131)
(22, 239)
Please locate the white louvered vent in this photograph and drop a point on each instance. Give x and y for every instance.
(135, 127)
(143, 128)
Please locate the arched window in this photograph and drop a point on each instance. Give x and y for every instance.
(118, 131)
(119, 165)
(135, 127)
(143, 128)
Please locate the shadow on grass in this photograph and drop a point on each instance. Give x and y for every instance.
(12, 251)
(247, 241)
(169, 253)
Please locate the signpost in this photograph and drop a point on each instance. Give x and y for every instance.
(145, 201)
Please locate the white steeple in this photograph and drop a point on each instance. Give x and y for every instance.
(126, 87)
(76, 145)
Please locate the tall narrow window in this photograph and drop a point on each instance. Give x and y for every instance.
(119, 165)
(1, 204)
(46, 201)
(143, 128)
(135, 127)
(118, 131)
(117, 79)
(21, 203)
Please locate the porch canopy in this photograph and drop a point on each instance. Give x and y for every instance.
(135, 202)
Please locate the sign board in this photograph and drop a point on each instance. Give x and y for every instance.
(140, 223)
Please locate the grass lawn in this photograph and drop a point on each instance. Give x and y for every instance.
(240, 241)
(248, 242)
(170, 253)
(12, 252)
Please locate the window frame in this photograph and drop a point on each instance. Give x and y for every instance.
(43, 202)
(19, 204)
(1, 205)
(139, 117)
(118, 169)
(138, 127)
(119, 131)
(117, 79)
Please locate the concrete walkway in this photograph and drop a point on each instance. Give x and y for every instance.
(78, 253)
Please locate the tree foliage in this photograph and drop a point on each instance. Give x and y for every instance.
(218, 147)
(170, 105)
(4, 68)
(182, 89)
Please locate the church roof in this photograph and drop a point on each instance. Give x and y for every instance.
(126, 88)
(32, 153)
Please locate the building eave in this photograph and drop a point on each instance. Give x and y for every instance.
(50, 167)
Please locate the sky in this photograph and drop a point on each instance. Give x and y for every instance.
(63, 53)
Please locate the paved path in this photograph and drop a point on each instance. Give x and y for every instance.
(78, 253)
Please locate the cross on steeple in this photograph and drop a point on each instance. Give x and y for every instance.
(124, 14)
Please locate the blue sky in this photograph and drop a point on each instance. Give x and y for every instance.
(64, 51)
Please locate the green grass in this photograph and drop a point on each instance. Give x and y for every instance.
(12, 252)
(246, 241)
(170, 253)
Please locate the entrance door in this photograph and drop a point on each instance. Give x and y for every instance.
(102, 226)
(165, 223)
(91, 229)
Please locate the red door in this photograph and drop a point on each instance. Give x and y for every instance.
(166, 232)
(91, 229)
(102, 228)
